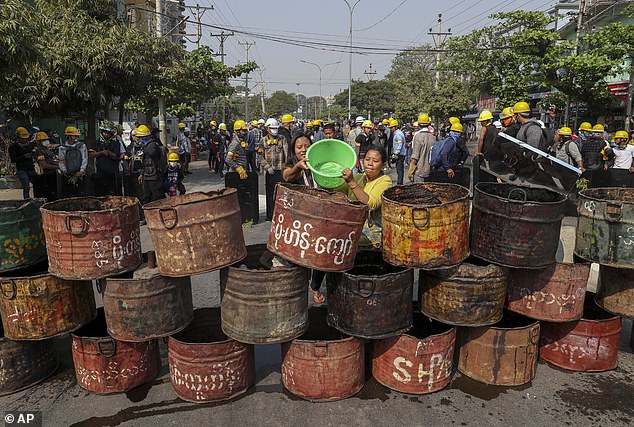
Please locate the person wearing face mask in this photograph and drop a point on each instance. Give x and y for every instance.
(621, 158)
(236, 157)
(220, 143)
(246, 183)
(365, 140)
(21, 153)
(73, 161)
(45, 185)
(584, 132)
(134, 159)
(174, 176)
(154, 166)
(272, 152)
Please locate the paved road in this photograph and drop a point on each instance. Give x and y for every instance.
(554, 398)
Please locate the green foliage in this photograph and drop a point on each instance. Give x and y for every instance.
(376, 97)
(279, 103)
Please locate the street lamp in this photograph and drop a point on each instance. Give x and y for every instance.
(351, 8)
(319, 67)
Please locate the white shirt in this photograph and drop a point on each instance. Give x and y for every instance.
(623, 158)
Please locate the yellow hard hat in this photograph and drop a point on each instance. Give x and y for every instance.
(586, 126)
(71, 131)
(222, 126)
(22, 132)
(454, 120)
(287, 118)
(213, 122)
(393, 123)
(41, 136)
(181, 126)
(456, 127)
(239, 125)
(565, 131)
(385, 121)
(254, 123)
(415, 124)
(506, 113)
(173, 157)
(521, 107)
(424, 119)
(365, 124)
(621, 134)
(309, 124)
(319, 122)
(598, 128)
(143, 130)
(485, 115)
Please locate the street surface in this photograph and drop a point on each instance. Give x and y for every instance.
(554, 398)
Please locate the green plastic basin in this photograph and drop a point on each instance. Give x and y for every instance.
(327, 159)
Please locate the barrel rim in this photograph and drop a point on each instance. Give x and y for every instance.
(404, 270)
(466, 325)
(499, 263)
(585, 194)
(477, 190)
(424, 184)
(257, 246)
(296, 188)
(177, 201)
(150, 337)
(38, 381)
(131, 203)
(60, 274)
(515, 328)
(22, 204)
(304, 342)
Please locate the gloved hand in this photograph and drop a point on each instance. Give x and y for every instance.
(270, 171)
(411, 171)
(394, 157)
(243, 174)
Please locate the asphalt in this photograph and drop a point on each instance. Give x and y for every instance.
(555, 397)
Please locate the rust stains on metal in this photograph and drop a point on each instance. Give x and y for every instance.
(196, 232)
(515, 226)
(426, 225)
(91, 238)
(205, 365)
(21, 234)
(263, 305)
(316, 228)
(615, 291)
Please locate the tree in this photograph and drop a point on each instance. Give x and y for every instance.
(375, 97)
(279, 103)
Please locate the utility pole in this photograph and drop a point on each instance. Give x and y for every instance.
(439, 39)
(580, 13)
(200, 11)
(297, 99)
(370, 72)
(162, 121)
(351, 9)
(222, 37)
(247, 46)
(263, 90)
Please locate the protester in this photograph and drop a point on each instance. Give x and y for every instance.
(592, 155)
(272, 152)
(45, 183)
(73, 161)
(422, 143)
(154, 166)
(510, 126)
(354, 133)
(174, 176)
(338, 132)
(185, 149)
(567, 149)
(381, 137)
(399, 150)
(236, 157)
(106, 152)
(221, 142)
(319, 134)
(486, 140)
(585, 129)
(621, 157)
(330, 131)
(253, 138)
(21, 153)
(287, 125)
(530, 130)
(133, 158)
(364, 140)
(296, 170)
(443, 156)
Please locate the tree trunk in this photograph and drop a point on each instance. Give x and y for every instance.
(121, 110)
(90, 136)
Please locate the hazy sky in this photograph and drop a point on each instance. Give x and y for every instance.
(327, 22)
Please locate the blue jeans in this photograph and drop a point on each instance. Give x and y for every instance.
(400, 169)
(26, 179)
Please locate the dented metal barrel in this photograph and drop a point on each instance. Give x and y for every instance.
(418, 362)
(90, 238)
(35, 305)
(263, 306)
(588, 345)
(503, 354)
(615, 290)
(373, 300)
(426, 225)
(605, 229)
(21, 234)
(206, 365)
(316, 228)
(24, 363)
(471, 294)
(196, 232)
(146, 305)
(104, 365)
(552, 294)
(516, 226)
(323, 364)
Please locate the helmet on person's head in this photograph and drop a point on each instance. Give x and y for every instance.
(424, 119)
(621, 134)
(272, 124)
(181, 126)
(309, 124)
(359, 120)
(485, 115)
(586, 127)
(239, 125)
(506, 113)
(385, 121)
(21, 132)
(222, 126)
(598, 128)
(454, 120)
(172, 157)
(393, 123)
(41, 136)
(565, 131)
(287, 118)
(367, 124)
(521, 107)
(213, 123)
(71, 131)
(456, 127)
(106, 126)
(143, 130)
(261, 122)
(254, 123)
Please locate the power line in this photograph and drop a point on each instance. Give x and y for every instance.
(384, 18)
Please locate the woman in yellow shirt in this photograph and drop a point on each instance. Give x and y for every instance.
(368, 188)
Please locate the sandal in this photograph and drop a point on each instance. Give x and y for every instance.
(318, 297)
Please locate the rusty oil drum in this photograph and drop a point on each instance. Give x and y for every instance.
(316, 228)
(90, 238)
(146, 305)
(24, 363)
(615, 290)
(206, 365)
(417, 362)
(323, 364)
(552, 294)
(503, 354)
(426, 225)
(588, 345)
(196, 232)
(21, 234)
(104, 365)
(373, 300)
(515, 226)
(35, 305)
(605, 228)
(471, 294)
(261, 306)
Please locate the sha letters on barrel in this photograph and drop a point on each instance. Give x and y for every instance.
(197, 232)
(417, 362)
(90, 238)
(316, 228)
(426, 225)
(104, 365)
(263, 305)
(206, 365)
(35, 304)
(21, 234)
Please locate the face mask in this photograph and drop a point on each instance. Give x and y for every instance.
(273, 132)
(173, 165)
(46, 142)
(145, 139)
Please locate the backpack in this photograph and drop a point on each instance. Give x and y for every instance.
(572, 141)
(435, 158)
(73, 158)
(548, 137)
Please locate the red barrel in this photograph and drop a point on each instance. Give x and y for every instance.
(417, 362)
(104, 365)
(589, 345)
(316, 228)
(323, 364)
(205, 365)
(553, 294)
